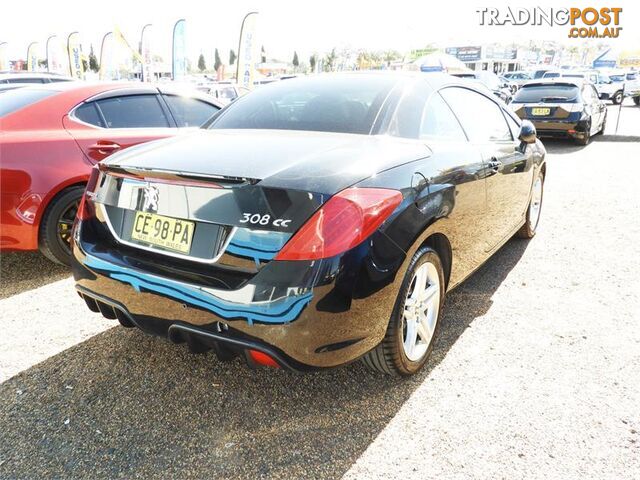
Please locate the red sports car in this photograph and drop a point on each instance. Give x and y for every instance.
(51, 135)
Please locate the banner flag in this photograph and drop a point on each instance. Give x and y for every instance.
(107, 69)
(147, 55)
(57, 61)
(123, 41)
(74, 49)
(247, 51)
(4, 57)
(32, 57)
(179, 60)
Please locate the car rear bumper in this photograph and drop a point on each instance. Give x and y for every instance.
(556, 129)
(331, 315)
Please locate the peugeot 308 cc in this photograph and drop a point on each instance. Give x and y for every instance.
(312, 222)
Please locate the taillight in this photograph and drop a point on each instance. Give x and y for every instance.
(85, 211)
(345, 221)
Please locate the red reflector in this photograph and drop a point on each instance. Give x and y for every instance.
(571, 131)
(263, 359)
(345, 221)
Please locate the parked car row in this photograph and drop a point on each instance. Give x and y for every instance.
(298, 206)
(611, 84)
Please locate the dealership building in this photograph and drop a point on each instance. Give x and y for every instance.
(494, 58)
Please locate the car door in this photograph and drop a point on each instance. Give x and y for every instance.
(508, 169)
(455, 175)
(116, 120)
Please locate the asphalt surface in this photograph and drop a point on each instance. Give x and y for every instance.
(535, 373)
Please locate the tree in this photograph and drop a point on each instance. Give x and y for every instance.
(263, 55)
(202, 66)
(94, 66)
(330, 60)
(296, 62)
(391, 55)
(217, 61)
(232, 57)
(312, 63)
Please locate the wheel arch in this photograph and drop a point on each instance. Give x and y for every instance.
(441, 244)
(80, 181)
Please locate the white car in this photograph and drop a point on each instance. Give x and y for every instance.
(227, 92)
(607, 88)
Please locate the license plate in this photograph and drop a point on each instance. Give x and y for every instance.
(165, 232)
(540, 111)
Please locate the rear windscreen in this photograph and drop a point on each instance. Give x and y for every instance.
(14, 100)
(547, 93)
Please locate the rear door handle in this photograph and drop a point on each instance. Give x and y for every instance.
(495, 164)
(105, 147)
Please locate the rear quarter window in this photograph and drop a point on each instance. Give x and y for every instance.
(88, 113)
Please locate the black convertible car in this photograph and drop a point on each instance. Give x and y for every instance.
(312, 222)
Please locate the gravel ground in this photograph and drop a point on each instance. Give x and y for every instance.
(535, 374)
(21, 271)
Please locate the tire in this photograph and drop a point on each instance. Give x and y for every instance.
(636, 100)
(59, 212)
(530, 226)
(587, 138)
(604, 124)
(617, 97)
(390, 356)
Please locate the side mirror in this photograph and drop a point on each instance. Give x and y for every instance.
(527, 132)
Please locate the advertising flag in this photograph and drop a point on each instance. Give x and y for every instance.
(57, 61)
(179, 61)
(4, 58)
(74, 50)
(147, 56)
(123, 42)
(32, 57)
(247, 51)
(107, 60)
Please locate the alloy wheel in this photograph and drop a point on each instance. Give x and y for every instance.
(421, 309)
(65, 224)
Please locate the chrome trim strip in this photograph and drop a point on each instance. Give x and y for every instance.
(213, 260)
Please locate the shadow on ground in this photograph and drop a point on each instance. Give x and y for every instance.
(21, 271)
(124, 405)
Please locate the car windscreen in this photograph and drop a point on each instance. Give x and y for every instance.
(547, 93)
(19, 98)
(346, 104)
(617, 78)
